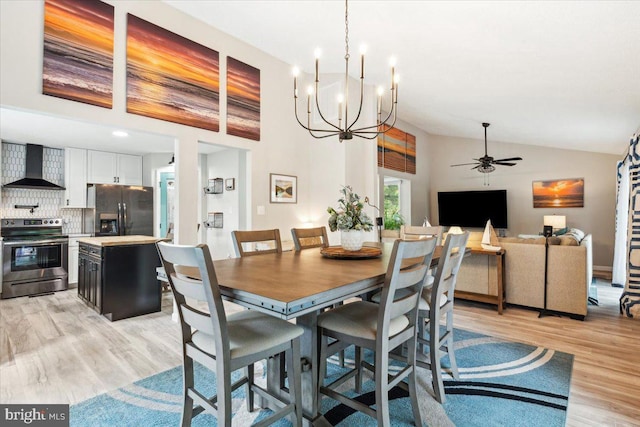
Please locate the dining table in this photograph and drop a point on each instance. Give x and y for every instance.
(297, 285)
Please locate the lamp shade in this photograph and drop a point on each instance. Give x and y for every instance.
(555, 221)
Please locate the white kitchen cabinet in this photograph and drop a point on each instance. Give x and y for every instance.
(114, 168)
(73, 257)
(75, 178)
(129, 169)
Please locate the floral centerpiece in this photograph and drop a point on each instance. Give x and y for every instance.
(350, 219)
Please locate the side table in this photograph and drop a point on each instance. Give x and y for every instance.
(499, 299)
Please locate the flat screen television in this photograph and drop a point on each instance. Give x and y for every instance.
(473, 208)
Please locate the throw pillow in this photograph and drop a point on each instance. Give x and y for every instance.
(561, 231)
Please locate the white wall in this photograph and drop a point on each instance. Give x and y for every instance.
(420, 182)
(285, 147)
(224, 164)
(598, 170)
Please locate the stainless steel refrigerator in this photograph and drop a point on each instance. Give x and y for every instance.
(119, 210)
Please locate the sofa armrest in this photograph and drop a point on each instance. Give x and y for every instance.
(524, 274)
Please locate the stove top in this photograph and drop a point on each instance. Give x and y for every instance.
(31, 223)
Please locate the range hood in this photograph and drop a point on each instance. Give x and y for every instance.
(33, 176)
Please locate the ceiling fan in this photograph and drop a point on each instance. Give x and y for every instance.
(485, 164)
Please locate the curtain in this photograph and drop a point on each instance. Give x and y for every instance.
(619, 275)
(630, 299)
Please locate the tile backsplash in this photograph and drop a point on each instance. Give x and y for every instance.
(50, 201)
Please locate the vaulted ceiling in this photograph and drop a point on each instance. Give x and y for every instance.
(552, 73)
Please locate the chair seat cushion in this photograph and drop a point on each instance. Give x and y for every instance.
(250, 332)
(359, 319)
(426, 299)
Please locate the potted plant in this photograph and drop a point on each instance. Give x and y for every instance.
(350, 219)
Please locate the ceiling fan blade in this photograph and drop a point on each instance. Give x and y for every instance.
(464, 164)
(510, 159)
(475, 167)
(504, 164)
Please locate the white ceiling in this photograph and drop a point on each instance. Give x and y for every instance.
(550, 73)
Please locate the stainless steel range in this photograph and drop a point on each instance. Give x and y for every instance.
(34, 254)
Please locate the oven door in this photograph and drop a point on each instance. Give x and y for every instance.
(34, 260)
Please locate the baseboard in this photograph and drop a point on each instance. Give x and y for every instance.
(602, 268)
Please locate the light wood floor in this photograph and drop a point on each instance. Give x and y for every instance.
(53, 349)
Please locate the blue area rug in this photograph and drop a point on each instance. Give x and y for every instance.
(501, 384)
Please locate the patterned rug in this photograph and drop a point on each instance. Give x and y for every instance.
(501, 383)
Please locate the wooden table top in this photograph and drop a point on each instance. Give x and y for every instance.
(293, 283)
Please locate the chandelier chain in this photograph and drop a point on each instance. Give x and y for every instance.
(346, 30)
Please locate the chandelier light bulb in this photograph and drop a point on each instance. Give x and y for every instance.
(317, 53)
(380, 91)
(363, 49)
(295, 71)
(393, 61)
(309, 90)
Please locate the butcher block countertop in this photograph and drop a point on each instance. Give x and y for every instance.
(119, 240)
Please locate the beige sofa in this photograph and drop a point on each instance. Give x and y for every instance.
(569, 272)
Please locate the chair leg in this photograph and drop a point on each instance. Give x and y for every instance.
(434, 356)
(223, 391)
(249, 373)
(413, 391)
(358, 367)
(382, 388)
(450, 350)
(295, 386)
(187, 404)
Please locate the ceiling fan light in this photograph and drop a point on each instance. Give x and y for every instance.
(486, 168)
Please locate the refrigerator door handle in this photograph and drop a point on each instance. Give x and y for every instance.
(119, 219)
(124, 219)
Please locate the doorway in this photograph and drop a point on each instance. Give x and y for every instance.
(167, 202)
(397, 202)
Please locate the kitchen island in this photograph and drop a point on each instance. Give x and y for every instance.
(117, 275)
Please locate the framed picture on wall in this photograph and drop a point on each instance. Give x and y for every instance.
(559, 193)
(283, 188)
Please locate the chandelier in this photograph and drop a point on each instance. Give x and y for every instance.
(345, 129)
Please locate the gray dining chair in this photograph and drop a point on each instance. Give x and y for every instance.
(436, 303)
(412, 232)
(246, 243)
(306, 238)
(225, 343)
(382, 328)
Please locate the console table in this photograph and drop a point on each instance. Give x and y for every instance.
(499, 299)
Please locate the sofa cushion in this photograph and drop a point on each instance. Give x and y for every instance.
(532, 241)
(568, 241)
(573, 234)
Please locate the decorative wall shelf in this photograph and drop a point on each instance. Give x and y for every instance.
(214, 220)
(216, 186)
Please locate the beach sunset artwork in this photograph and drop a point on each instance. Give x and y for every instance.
(561, 193)
(170, 77)
(397, 151)
(243, 100)
(78, 51)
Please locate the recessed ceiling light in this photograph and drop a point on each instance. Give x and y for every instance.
(119, 133)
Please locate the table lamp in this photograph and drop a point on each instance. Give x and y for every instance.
(552, 223)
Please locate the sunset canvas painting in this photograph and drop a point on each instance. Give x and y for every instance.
(562, 193)
(397, 151)
(243, 100)
(78, 51)
(170, 77)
